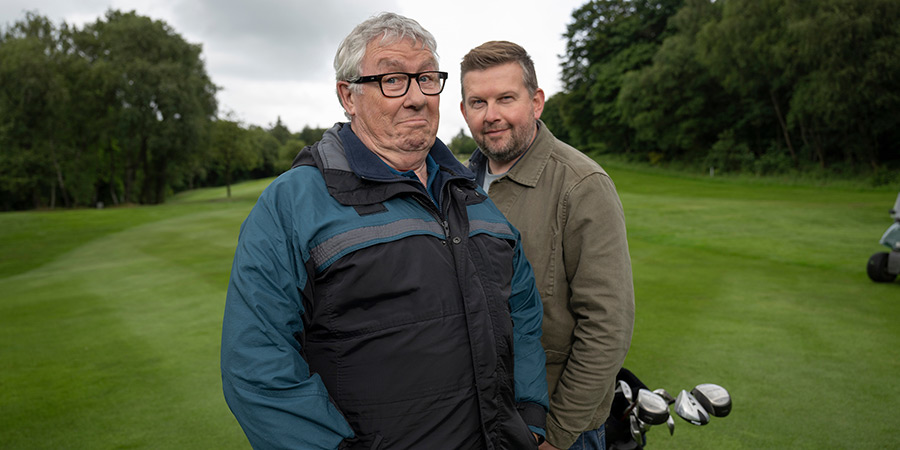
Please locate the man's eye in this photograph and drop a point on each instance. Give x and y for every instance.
(393, 79)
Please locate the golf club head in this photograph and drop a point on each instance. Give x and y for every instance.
(670, 422)
(665, 395)
(652, 409)
(635, 428)
(687, 407)
(625, 389)
(714, 399)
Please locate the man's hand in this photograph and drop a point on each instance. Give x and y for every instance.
(547, 446)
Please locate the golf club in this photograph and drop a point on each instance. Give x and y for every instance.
(625, 389)
(665, 395)
(687, 407)
(652, 408)
(714, 399)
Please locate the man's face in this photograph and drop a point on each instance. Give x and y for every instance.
(394, 127)
(499, 111)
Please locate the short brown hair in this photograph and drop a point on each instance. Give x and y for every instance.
(496, 53)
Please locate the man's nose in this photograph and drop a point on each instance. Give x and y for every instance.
(491, 112)
(414, 97)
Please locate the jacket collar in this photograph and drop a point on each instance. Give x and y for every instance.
(355, 175)
(366, 164)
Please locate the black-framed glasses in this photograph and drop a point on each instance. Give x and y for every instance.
(396, 84)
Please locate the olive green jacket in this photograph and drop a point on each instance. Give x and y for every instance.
(573, 229)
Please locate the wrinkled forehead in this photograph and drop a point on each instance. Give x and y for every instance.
(393, 52)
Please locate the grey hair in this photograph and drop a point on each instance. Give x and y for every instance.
(392, 28)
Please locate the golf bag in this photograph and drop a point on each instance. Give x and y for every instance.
(618, 436)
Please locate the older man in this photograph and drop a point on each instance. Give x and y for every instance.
(378, 299)
(573, 231)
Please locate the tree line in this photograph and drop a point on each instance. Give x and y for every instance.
(119, 111)
(755, 86)
(122, 110)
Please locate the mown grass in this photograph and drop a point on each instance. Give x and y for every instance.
(762, 288)
(110, 319)
(109, 325)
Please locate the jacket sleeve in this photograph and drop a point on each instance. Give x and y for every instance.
(265, 380)
(530, 372)
(598, 268)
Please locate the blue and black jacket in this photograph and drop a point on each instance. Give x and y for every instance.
(366, 311)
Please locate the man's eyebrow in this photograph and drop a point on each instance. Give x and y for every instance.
(506, 94)
(397, 65)
(389, 64)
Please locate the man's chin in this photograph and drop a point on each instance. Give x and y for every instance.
(502, 155)
(418, 143)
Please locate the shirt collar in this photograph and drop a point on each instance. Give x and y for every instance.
(527, 169)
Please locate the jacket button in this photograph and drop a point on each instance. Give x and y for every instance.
(457, 240)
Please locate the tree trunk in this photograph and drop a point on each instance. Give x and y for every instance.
(869, 146)
(784, 130)
(112, 177)
(129, 180)
(160, 178)
(145, 168)
(59, 178)
(228, 180)
(817, 142)
(815, 146)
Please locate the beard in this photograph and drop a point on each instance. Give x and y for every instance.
(506, 150)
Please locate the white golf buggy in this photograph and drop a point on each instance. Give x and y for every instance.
(884, 267)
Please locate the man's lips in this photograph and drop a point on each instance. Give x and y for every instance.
(495, 132)
(414, 121)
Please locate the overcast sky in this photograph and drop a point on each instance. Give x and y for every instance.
(274, 58)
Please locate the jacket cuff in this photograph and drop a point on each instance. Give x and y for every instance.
(533, 414)
(558, 437)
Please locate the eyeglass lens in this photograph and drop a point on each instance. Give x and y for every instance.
(398, 83)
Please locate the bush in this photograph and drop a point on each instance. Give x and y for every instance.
(729, 155)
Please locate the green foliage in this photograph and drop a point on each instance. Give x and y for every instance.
(40, 152)
(231, 149)
(112, 112)
(280, 132)
(265, 145)
(674, 105)
(786, 86)
(554, 118)
(729, 155)
(289, 151)
(462, 145)
(607, 39)
(120, 111)
(162, 98)
(310, 135)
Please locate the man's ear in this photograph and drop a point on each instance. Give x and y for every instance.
(347, 96)
(537, 102)
(462, 109)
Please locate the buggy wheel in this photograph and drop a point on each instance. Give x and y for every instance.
(878, 268)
